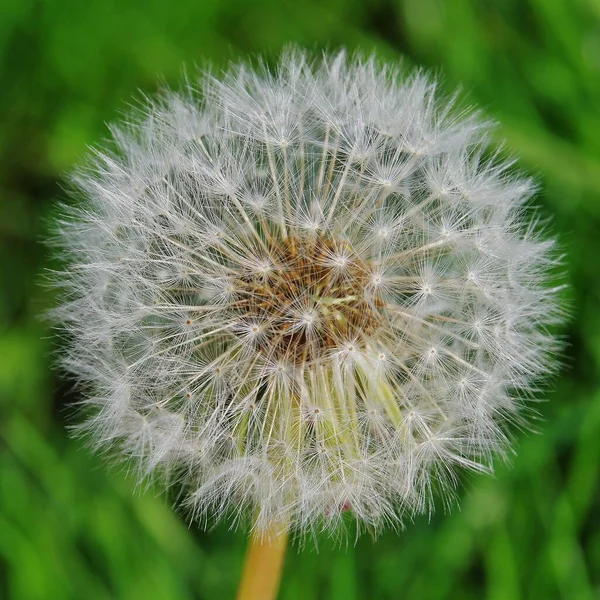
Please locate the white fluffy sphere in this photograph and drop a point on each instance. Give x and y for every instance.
(305, 293)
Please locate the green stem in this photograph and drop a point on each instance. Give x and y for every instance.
(264, 565)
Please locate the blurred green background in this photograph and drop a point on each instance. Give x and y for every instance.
(72, 528)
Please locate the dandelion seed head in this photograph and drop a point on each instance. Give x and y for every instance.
(305, 293)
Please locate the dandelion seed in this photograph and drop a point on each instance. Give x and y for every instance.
(306, 293)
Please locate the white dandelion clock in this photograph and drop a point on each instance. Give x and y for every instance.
(305, 293)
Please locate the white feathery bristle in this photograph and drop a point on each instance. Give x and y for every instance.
(305, 293)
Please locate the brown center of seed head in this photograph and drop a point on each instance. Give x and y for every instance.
(315, 297)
